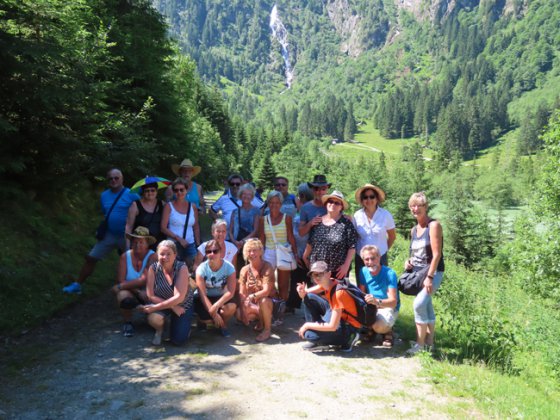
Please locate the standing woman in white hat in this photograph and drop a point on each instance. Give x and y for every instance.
(374, 224)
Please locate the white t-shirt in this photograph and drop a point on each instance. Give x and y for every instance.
(374, 231)
(216, 281)
(231, 250)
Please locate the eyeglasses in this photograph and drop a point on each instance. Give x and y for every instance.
(234, 184)
(280, 185)
(179, 190)
(212, 251)
(335, 202)
(369, 197)
(113, 178)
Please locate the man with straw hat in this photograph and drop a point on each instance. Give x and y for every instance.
(187, 171)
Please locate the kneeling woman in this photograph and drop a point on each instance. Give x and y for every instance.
(215, 279)
(256, 288)
(170, 295)
(132, 273)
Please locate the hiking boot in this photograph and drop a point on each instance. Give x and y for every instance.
(309, 345)
(128, 329)
(352, 340)
(415, 349)
(73, 288)
(156, 341)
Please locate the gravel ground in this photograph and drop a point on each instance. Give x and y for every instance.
(78, 365)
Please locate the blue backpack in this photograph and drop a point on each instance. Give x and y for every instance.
(366, 313)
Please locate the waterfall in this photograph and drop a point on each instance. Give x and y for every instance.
(281, 34)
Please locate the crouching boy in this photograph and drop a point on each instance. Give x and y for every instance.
(380, 284)
(328, 319)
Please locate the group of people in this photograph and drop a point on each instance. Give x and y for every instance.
(166, 271)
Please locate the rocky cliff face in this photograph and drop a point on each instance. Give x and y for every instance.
(347, 24)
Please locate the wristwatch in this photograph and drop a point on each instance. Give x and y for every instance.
(379, 301)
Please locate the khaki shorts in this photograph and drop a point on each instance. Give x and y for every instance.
(387, 316)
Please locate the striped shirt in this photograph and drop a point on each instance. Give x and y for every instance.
(164, 290)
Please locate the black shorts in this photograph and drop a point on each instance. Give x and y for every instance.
(201, 311)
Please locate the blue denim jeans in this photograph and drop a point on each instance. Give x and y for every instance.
(317, 309)
(423, 306)
(180, 325)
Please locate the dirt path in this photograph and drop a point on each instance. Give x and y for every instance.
(79, 366)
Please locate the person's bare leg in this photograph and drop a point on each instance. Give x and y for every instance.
(265, 310)
(421, 331)
(284, 284)
(87, 269)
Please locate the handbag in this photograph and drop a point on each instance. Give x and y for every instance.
(101, 230)
(412, 282)
(285, 259)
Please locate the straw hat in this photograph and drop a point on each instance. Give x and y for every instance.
(186, 163)
(142, 233)
(337, 195)
(378, 192)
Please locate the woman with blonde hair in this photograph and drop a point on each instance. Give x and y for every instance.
(256, 289)
(426, 247)
(276, 229)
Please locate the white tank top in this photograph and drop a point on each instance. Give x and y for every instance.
(176, 223)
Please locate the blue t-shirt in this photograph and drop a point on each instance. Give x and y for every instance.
(309, 211)
(216, 281)
(379, 285)
(247, 220)
(117, 218)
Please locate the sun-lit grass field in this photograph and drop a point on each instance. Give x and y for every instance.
(369, 140)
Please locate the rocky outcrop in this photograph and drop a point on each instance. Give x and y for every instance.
(347, 25)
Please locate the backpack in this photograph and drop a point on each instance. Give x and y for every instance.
(366, 313)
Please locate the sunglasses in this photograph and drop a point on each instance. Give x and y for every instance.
(335, 202)
(234, 184)
(212, 251)
(369, 197)
(113, 178)
(280, 185)
(179, 190)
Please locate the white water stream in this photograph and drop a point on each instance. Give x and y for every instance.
(281, 34)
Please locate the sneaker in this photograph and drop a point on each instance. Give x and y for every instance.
(73, 288)
(128, 329)
(225, 332)
(309, 345)
(277, 322)
(416, 348)
(156, 341)
(352, 340)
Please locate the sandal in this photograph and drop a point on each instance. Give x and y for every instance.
(388, 339)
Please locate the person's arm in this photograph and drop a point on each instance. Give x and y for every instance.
(231, 229)
(305, 228)
(255, 230)
(390, 302)
(165, 221)
(290, 232)
(228, 294)
(196, 226)
(343, 269)
(391, 236)
(215, 208)
(130, 219)
(121, 273)
(436, 243)
(332, 325)
(150, 287)
(262, 236)
(306, 254)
